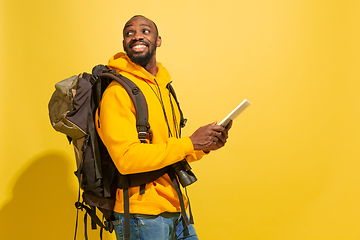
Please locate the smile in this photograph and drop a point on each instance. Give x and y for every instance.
(139, 47)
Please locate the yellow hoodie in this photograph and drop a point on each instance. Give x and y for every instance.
(117, 129)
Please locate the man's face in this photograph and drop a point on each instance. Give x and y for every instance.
(140, 40)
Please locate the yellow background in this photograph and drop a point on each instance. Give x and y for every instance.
(291, 168)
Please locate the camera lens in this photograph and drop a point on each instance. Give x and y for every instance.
(184, 173)
(186, 178)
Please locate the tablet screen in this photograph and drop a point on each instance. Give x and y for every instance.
(231, 116)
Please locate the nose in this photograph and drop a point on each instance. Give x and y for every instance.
(138, 36)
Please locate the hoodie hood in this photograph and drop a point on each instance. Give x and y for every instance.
(122, 63)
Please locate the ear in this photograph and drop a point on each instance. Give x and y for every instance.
(123, 45)
(158, 41)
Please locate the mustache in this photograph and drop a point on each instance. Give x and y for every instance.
(132, 43)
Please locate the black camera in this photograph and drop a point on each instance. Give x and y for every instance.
(183, 171)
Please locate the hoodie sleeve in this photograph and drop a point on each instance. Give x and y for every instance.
(117, 128)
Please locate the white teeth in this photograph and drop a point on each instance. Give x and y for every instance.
(139, 46)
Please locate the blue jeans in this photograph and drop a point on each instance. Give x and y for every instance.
(166, 226)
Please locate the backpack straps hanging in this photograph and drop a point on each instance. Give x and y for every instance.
(171, 172)
(175, 182)
(125, 182)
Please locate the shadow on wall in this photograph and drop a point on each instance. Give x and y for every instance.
(42, 204)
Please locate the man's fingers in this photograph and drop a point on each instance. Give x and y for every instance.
(211, 136)
(229, 125)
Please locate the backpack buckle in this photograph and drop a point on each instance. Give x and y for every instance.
(143, 136)
(109, 226)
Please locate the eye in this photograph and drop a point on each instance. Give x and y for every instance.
(129, 33)
(146, 31)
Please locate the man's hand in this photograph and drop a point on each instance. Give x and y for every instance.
(210, 137)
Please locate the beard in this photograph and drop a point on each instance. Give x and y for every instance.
(142, 59)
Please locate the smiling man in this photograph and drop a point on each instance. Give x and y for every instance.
(141, 47)
(155, 213)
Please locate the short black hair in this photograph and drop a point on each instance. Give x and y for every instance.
(156, 28)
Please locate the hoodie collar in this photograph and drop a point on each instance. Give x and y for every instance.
(122, 63)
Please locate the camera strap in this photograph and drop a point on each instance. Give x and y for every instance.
(175, 182)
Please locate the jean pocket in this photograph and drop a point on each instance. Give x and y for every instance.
(118, 227)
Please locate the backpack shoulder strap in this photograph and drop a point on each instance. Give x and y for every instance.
(139, 101)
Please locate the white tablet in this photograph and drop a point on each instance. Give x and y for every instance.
(241, 107)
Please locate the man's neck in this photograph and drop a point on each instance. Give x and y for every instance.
(151, 67)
